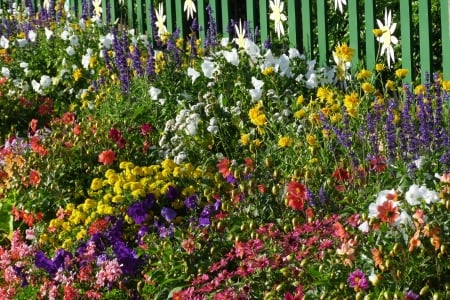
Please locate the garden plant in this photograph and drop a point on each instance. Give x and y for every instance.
(175, 168)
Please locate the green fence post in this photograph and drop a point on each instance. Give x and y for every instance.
(353, 20)
(424, 36)
(225, 17)
(322, 31)
(202, 19)
(148, 20)
(169, 16)
(179, 17)
(251, 19)
(445, 27)
(130, 14)
(140, 16)
(369, 9)
(293, 23)
(264, 19)
(406, 39)
(307, 33)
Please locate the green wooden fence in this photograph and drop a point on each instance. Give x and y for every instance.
(309, 28)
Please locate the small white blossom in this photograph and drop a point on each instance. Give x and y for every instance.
(277, 16)
(191, 72)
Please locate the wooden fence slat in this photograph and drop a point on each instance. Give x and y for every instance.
(225, 16)
(202, 19)
(148, 20)
(250, 7)
(307, 33)
(263, 19)
(353, 25)
(293, 23)
(406, 39)
(369, 9)
(424, 37)
(130, 14)
(139, 16)
(322, 31)
(179, 17)
(169, 16)
(445, 27)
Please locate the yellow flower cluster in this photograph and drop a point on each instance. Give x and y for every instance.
(257, 116)
(113, 194)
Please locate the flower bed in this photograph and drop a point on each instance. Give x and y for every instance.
(152, 169)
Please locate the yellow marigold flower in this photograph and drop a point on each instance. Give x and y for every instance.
(257, 142)
(268, 71)
(168, 164)
(89, 204)
(126, 165)
(117, 199)
(367, 87)
(67, 243)
(107, 198)
(92, 61)
(401, 73)
(105, 209)
(43, 239)
(363, 74)
(324, 93)
(390, 85)
(245, 139)
(77, 74)
(188, 191)
(446, 85)
(179, 43)
(377, 32)
(177, 172)
(257, 117)
(66, 226)
(300, 113)
(77, 217)
(419, 89)
(56, 223)
(137, 171)
(344, 52)
(96, 184)
(136, 186)
(139, 193)
(336, 118)
(314, 118)
(81, 234)
(284, 142)
(379, 67)
(300, 100)
(351, 100)
(311, 140)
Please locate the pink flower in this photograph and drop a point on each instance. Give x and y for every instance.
(107, 157)
(357, 280)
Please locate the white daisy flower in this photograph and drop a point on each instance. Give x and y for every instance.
(387, 39)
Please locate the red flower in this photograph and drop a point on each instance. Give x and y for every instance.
(224, 167)
(388, 212)
(296, 195)
(77, 129)
(107, 157)
(68, 118)
(33, 126)
(378, 163)
(34, 178)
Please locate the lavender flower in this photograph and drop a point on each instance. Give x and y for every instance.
(211, 32)
(410, 295)
(390, 131)
(136, 61)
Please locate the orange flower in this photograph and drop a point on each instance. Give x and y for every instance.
(296, 195)
(436, 242)
(388, 212)
(339, 230)
(33, 126)
(414, 242)
(77, 129)
(224, 167)
(34, 178)
(107, 157)
(377, 258)
(188, 245)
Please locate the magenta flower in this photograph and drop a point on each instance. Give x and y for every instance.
(358, 281)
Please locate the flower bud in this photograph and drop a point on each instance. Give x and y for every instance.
(424, 290)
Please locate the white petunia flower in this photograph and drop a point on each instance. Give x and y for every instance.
(70, 50)
(387, 39)
(4, 42)
(5, 72)
(86, 58)
(231, 56)
(48, 33)
(45, 81)
(416, 193)
(154, 93)
(32, 35)
(277, 16)
(193, 74)
(208, 68)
